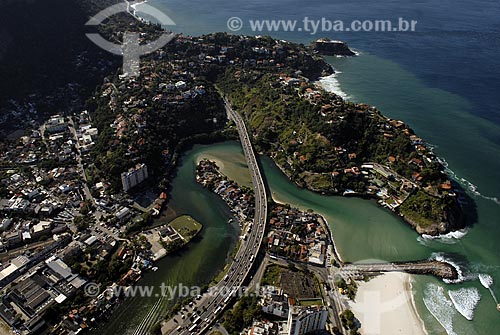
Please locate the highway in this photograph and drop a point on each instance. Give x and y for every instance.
(208, 308)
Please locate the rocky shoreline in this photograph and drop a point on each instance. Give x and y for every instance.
(434, 230)
(437, 228)
(327, 47)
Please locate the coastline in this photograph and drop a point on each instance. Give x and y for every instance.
(386, 305)
(157, 248)
(414, 306)
(403, 318)
(325, 223)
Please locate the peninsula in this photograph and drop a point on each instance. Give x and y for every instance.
(168, 238)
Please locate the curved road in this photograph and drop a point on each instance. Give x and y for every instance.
(207, 308)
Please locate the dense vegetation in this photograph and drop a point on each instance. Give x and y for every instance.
(242, 315)
(423, 209)
(169, 128)
(349, 322)
(287, 125)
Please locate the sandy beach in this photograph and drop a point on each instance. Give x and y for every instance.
(217, 161)
(384, 305)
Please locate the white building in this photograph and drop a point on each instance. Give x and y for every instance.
(134, 176)
(56, 124)
(303, 320)
(274, 301)
(262, 328)
(43, 227)
(317, 253)
(122, 213)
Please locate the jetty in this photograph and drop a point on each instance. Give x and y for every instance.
(442, 270)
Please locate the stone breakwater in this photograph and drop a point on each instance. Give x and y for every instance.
(442, 270)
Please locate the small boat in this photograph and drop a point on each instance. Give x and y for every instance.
(498, 307)
(230, 221)
(348, 192)
(154, 268)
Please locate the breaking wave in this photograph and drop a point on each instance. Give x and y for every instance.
(332, 85)
(450, 238)
(467, 184)
(440, 307)
(485, 279)
(440, 257)
(465, 301)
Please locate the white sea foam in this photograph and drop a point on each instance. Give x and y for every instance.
(332, 85)
(465, 301)
(465, 183)
(132, 7)
(440, 257)
(440, 307)
(356, 53)
(450, 238)
(485, 279)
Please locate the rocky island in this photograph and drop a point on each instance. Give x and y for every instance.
(327, 47)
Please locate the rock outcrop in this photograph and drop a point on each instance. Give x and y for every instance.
(329, 47)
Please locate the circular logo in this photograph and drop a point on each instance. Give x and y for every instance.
(131, 49)
(234, 23)
(92, 290)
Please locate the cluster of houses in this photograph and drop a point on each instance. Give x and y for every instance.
(43, 188)
(86, 134)
(240, 201)
(391, 188)
(38, 200)
(297, 235)
(382, 181)
(42, 193)
(179, 78)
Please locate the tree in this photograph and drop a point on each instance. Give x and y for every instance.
(349, 321)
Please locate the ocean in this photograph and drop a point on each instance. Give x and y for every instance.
(443, 81)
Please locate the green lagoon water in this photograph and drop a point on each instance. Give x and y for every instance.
(197, 263)
(364, 231)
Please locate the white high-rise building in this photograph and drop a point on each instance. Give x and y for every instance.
(303, 320)
(134, 176)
